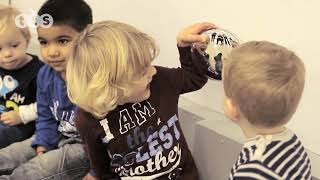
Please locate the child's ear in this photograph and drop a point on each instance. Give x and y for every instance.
(232, 109)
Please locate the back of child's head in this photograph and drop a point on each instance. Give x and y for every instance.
(107, 57)
(8, 16)
(74, 13)
(266, 81)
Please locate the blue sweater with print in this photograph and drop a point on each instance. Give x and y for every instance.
(55, 111)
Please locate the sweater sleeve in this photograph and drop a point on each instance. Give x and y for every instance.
(28, 113)
(95, 149)
(46, 134)
(192, 74)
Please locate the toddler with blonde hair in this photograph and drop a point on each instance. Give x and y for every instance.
(18, 76)
(129, 108)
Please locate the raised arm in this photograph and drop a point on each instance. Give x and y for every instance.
(192, 74)
(192, 34)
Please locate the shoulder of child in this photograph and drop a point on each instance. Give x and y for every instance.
(36, 60)
(35, 63)
(83, 119)
(46, 76)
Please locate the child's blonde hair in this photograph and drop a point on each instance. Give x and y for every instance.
(265, 80)
(8, 15)
(107, 56)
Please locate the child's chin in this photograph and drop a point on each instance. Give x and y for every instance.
(58, 69)
(148, 94)
(9, 67)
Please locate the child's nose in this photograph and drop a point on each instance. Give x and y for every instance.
(53, 51)
(8, 53)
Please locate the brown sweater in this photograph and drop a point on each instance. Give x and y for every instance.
(144, 140)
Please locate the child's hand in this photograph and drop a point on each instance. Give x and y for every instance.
(89, 177)
(11, 118)
(40, 150)
(192, 34)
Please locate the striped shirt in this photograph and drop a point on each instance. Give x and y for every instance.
(272, 157)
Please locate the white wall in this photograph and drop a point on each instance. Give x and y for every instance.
(292, 23)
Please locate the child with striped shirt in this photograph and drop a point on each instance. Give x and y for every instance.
(263, 83)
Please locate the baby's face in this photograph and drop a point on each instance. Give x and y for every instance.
(13, 46)
(56, 45)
